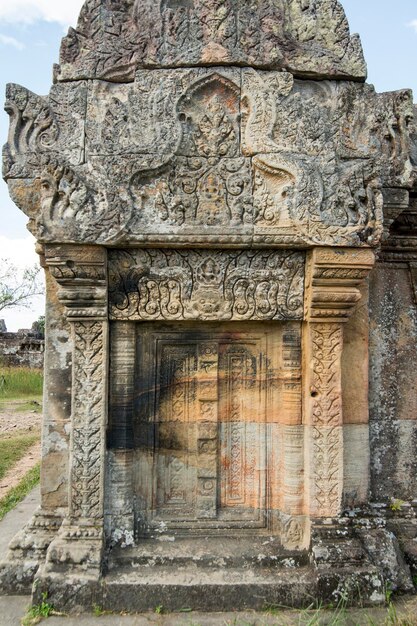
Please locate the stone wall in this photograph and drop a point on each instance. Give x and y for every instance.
(22, 349)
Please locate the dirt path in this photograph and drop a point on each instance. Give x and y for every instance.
(18, 417)
(13, 418)
(19, 471)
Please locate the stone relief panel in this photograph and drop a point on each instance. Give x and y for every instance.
(205, 285)
(42, 127)
(113, 39)
(201, 156)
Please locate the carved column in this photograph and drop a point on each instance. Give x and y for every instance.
(81, 274)
(27, 550)
(333, 279)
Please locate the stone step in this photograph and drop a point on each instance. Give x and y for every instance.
(208, 552)
(219, 589)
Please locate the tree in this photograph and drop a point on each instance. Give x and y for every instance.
(18, 287)
(38, 327)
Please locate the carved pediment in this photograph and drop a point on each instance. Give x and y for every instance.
(223, 156)
(114, 38)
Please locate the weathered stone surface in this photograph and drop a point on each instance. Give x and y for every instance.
(209, 202)
(113, 39)
(356, 460)
(206, 155)
(384, 551)
(355, 364)
(393, 408)
(57, 402)
(206, 285)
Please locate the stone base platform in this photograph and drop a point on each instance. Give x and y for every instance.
(211, 575)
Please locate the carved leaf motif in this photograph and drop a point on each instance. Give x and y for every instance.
(87, 420)
(305, 37)
(328, 453)
(326, 415)
(327, 348)
(152, 285)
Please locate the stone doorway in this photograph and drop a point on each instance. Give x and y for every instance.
(210, 402)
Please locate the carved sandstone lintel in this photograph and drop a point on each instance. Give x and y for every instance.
(81, 274)
(332, 291)
(207, 285)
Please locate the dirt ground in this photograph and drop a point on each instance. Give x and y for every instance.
(20, 417)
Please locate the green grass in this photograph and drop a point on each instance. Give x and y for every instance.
(20, 382)
(20, 492)
(36, 613)
(13, 449)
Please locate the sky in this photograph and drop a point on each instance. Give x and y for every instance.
(30, 34)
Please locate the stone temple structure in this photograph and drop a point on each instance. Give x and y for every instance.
(227, 217)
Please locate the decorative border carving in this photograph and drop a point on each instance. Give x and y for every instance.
(327, 342)
(333, 279)
(324, 417)
(205, 285)
(86, 499)
(81, 274)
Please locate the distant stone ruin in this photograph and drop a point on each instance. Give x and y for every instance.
(25, 348)
(226, 213)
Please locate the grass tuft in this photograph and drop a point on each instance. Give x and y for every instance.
(36, 613)
(13, 449)
(20, 382)
(20, 492)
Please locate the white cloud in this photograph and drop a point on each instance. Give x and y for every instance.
(413, 24)
(11, 41)
(21, 252)
(64, 12)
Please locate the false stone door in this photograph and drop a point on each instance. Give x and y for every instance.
(205, 395)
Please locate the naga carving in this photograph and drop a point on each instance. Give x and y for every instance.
(232, 156)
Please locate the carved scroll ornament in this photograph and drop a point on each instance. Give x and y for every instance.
(205, 285)
(222, 156)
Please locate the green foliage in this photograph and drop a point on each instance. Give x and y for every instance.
(38, 327)
(20, 492)
(396, 505)
(38, 612)
(159, 609)
(18, 287)
(388, 595)
(13, 449)
(20, 382)
(98, 611)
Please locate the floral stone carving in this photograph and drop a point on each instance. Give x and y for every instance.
(206, 285)
(201, 155)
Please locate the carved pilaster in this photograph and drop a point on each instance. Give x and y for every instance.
(332, 291)
(82, 278)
